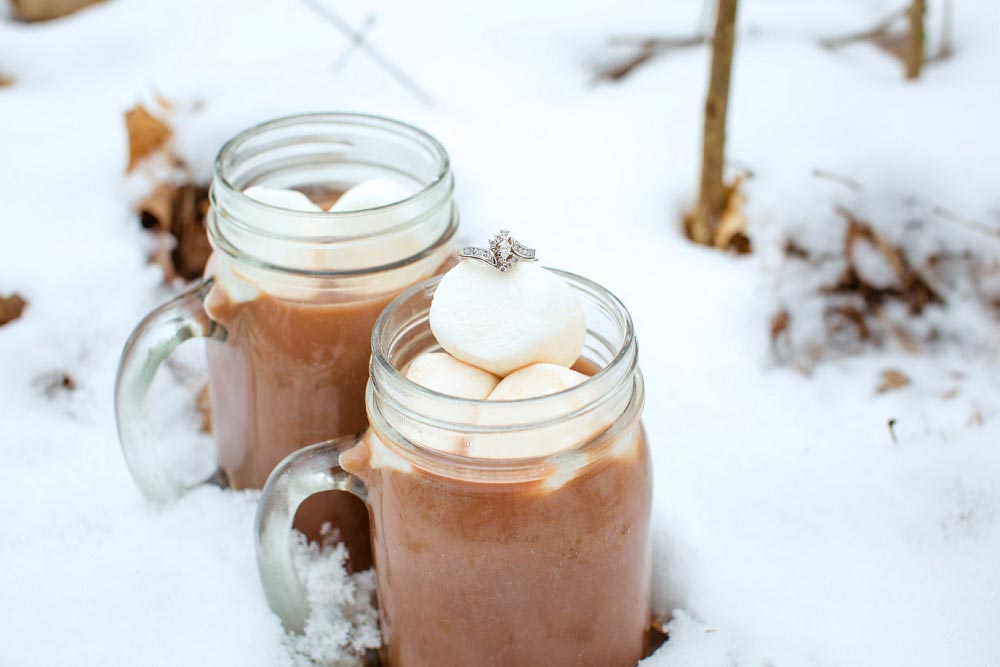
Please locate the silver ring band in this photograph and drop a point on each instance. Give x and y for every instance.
(504, 251)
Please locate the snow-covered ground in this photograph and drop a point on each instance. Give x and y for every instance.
(793, 529)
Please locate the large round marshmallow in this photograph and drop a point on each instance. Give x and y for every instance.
(536, 380)
(501, 322)
(372, 193)
(282, 198)
(443, 373)
(238, 289)
(563, 431)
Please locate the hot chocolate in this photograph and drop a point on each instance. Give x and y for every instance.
(291, 374)
(506, 531)
(480, 573)
(316, 222)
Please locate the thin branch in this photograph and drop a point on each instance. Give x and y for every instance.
(357, 36)
(621, 70)
(369, 50)
(974, 225)
(649, 48)
(840, 179)
(946, 49)
(879, 29)
(665, 43)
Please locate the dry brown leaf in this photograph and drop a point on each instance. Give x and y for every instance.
(794, 250)
(165, 104)
(146, 134)
(843, 320)
(658, 635)
(779, 324)
(11, 308)
(156, 210)
(177, 213)
(204, 404)
(910, 287)
(730, 233)
(6, 81)
(892, 380)
(161, 256)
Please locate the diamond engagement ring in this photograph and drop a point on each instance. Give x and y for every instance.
(503, 253)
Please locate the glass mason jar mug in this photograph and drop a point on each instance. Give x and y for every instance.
(290, 297)
(531, 562)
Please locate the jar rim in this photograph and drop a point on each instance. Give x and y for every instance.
(428, 212)
(342, 118)
(620, 373)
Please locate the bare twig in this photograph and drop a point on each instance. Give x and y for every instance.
(947, 48)
(663, 43)
(369, 50)
(974, 225)
(915, 39)
(846, 181)
(649, 48)
(357, 36)
(621, 70)
(873, 33)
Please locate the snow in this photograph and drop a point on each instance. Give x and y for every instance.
(793, 527)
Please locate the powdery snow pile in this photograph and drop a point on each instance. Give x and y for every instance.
(802, 519)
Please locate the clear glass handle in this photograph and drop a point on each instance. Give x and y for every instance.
(147, 348)
(303, 473)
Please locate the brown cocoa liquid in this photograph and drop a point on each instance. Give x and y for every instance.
(512, 574)
(291, 374)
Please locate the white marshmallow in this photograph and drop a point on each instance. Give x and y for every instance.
(238, 289)
(368, 251)
(534, 381)
(371, 194)
(443, 373)
(501, 322)
(282, 198)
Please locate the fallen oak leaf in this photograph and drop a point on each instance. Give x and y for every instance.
(146, 134)
(779, 324)
(156, 210)
(191, 253)
(892, 380)
(730, 233)
(11, 308)
(177, 213)
(909, 286)
(162, 256)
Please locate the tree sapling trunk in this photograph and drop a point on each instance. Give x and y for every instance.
(915, 39)
(703, 219)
